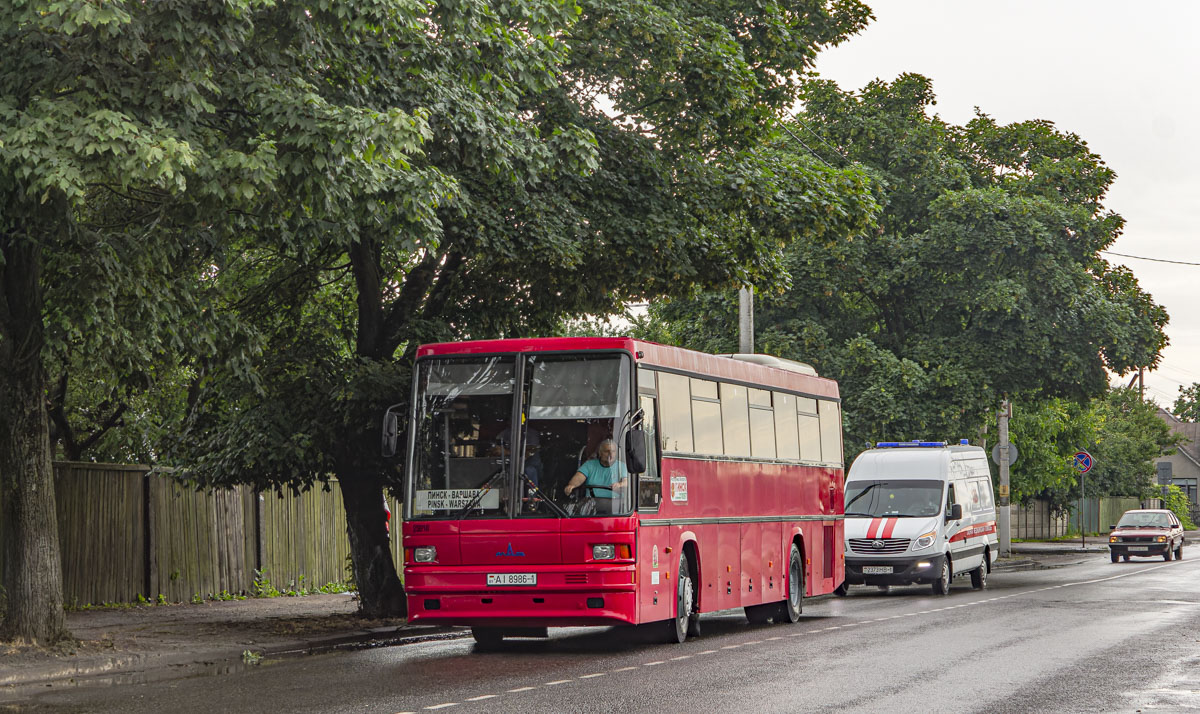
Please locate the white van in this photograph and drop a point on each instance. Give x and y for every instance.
(919, 512)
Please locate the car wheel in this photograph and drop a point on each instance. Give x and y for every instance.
(941, 586)
(684, 599)
(1126, 557)
(1179, 551)
(1167, 554)
(979, 575)
(1115, 556)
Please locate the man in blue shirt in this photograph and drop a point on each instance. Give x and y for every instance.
(604, 474)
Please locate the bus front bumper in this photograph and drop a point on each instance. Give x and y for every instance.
(563, 596)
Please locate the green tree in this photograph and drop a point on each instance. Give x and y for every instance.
(1187, 404)
(556, 206)
(136, 143)
(1130, 437)
(982, 277)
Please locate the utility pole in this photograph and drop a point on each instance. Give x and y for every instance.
(746, 320)
(1002, 513)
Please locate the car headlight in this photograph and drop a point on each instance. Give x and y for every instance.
(925, 540)
(1114, 539)
(1161, 539)
(425, 554)
(605, 551)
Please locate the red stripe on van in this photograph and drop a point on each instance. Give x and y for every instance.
(891, 526)
(872, 530)
(975, 531)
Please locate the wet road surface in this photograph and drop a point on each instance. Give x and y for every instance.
(1086, 637)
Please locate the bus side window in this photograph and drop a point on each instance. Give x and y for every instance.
(650, 482)
(831, 432)
(676, 402)
(809, 429)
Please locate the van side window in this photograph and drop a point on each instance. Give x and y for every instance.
(985, 495)
(949, 497)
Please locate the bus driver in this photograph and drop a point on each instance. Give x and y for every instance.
(604, 473)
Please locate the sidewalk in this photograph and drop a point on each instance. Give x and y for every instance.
(147, 641)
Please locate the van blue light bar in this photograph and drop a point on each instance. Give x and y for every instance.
(907, 444)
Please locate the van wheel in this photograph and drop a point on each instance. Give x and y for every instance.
(941, 586)
(979, 575)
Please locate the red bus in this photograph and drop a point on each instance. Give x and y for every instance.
(726, 491)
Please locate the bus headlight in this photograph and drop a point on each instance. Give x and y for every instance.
(605, 551)
(425, 554)
(925, 540)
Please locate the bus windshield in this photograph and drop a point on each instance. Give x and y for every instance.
(895, 499)
(566, 409)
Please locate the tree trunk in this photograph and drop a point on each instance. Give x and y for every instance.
(380, 592)
(32, 576)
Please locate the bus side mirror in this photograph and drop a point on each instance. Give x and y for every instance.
(390, 432)
(955, 513)
(635, 451)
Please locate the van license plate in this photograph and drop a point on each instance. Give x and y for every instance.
(523, 579)
(877, 570)
(1139, 547)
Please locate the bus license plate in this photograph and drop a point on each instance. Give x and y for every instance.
(512, 579)
(877, 570)
(1139, 547)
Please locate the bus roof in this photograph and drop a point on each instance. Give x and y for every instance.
(652, 354)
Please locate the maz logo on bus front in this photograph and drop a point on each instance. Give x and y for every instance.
(510, 553)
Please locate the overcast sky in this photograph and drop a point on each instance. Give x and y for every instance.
(1124, 76)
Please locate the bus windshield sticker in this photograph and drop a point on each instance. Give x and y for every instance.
(452, 498)
(678, 488)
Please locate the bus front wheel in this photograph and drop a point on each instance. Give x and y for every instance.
(791, 608)
(685, 599)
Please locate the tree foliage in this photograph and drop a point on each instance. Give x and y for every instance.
(593, 154)
(137, 142)
(981, 277)
(1187, 404)
(1122, 433)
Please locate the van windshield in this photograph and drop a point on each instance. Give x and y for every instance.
(908, 498)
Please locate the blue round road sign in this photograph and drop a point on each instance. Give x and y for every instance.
(1083, 461)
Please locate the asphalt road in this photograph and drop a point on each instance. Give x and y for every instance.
(1085, 637)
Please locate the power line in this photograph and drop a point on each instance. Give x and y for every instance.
(1142, 257)
(806, 146)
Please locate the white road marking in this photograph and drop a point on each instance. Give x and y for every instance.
(521, 689)
(624, 669)
(676, 659)
(651, 664)
(443, 706)
(481, 697)
(589, 676)
(557, 681)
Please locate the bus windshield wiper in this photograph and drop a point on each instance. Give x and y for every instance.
(545, 499)
(483, 490)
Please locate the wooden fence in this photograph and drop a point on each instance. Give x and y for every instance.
(126, 531)
(1037, 522)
